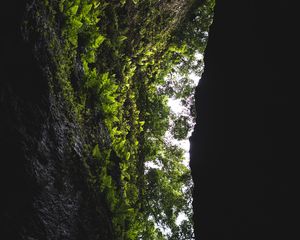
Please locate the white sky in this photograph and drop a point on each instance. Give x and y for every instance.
(177, 108)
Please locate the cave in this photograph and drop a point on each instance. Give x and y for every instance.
(244, 146)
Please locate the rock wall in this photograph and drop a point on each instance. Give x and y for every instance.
(43, 181)
(244, 148)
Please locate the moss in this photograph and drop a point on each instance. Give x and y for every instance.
(123, 57)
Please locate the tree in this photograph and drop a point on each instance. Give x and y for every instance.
(181, 128)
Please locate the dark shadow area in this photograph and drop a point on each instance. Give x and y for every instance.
(22, 86)
(19, 68)
(244, 150)
(44, 193)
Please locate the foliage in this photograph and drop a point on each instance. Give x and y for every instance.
(123, 53)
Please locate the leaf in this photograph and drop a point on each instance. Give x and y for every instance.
(73, 10)
(99, 40)
(76, 24)
(91, 57)
(96, 152)
(61, 5)
(127, 156)
(86, 8)
(73, 39)
(121, 38)
(96, 4)
(105, 78)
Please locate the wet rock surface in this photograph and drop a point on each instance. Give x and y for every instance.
(43, 179)
(44, 188)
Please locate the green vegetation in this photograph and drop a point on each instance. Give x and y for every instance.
(111, 61)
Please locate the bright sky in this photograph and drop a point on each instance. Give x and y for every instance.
(177, 108)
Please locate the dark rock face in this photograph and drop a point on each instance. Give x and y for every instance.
(43, 182)
(244, 148)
